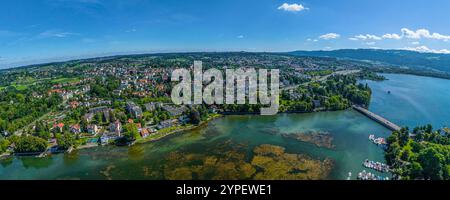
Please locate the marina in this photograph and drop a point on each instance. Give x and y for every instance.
(377, 141)
(368, 176)
(378, 166)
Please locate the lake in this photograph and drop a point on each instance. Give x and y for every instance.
(413, 100)
(232, 147)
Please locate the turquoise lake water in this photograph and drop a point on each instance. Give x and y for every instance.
(413, 101)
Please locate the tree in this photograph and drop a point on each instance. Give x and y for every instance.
(425, 156)
(42, 131)
(416, 171)
(4, 144)
(84, 124)
(432, 161)
(131, 132)
(44, 135)
(112, 116)
(99, 117)
(447, 172)
(194, 116)
(30, 144)
(66, 140)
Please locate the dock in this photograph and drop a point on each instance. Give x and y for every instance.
(386, 123)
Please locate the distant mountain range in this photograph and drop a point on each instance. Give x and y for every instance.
(401, 58)
(425, 62)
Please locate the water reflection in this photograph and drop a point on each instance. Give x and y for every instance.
(36, 163)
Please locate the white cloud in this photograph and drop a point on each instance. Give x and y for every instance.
(425, 49)
(415, 43)
(330, 36)
(55, 34)
(392, 36)
(365, 37)
(417, 34)
(405, 33)
(370, 43)
(240, 37)
(423, 33)
(292, 7)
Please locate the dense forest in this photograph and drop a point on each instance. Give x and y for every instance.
(422, 154)
(18, 109)
(337, 93)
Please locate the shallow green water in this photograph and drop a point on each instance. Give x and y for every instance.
(413, 104)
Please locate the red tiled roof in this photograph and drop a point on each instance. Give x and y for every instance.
(60, 125)
(75, 126)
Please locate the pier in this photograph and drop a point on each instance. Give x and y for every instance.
(386, 123)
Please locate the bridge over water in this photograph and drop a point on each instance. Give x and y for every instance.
(391, 126)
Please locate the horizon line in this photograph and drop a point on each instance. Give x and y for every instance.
(57, 60)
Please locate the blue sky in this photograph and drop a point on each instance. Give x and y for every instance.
(33, 31)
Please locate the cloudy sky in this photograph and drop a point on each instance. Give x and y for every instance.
(46, 30)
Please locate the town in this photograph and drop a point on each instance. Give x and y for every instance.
(125, 100)
(239, 82)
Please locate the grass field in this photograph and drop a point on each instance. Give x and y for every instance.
(64, 80)
(18, 87)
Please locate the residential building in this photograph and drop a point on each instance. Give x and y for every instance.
(92, 129)
(58, 126)
(116, 128)
(152, 106)
(134, 110)
(174, 110)
(75, 129)
(144, 133)
(166, 124)
(106, 138)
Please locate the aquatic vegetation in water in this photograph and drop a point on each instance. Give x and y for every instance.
(107, 172)
(267, 162)
(275, 164)
(320, 139)
(227, 165)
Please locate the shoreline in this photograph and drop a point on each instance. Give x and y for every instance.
(188, 128)
(192, 127)
(444, 77)
(164, 136)
(5, 155)
(170, 133)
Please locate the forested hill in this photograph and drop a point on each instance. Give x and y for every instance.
(405, 58)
